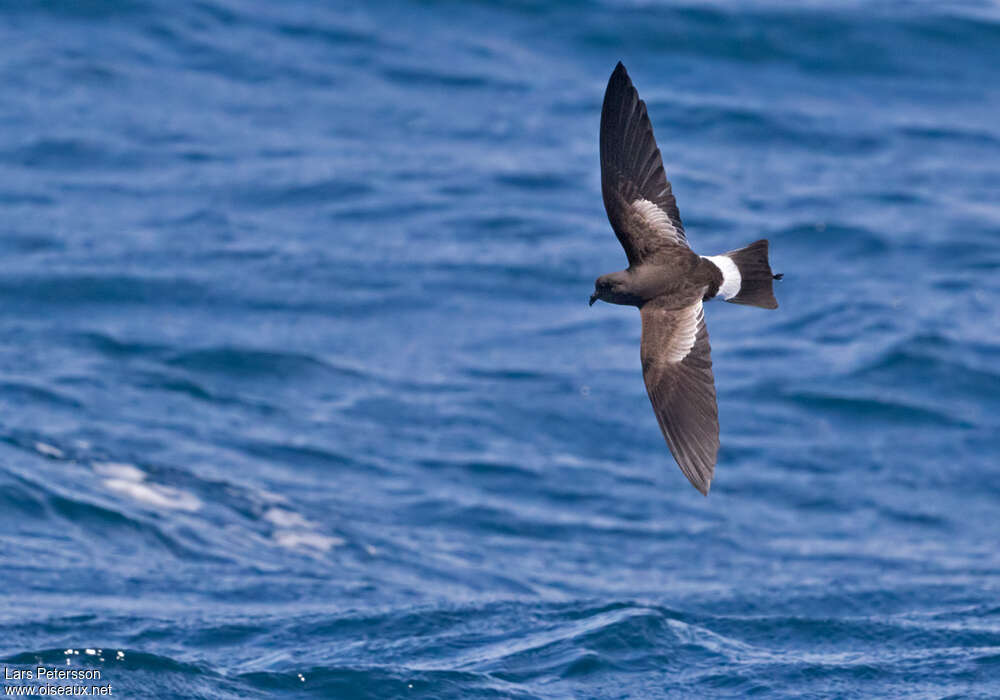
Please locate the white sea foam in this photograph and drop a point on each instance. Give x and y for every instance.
(49, 450)
(155, 494)
(286, 518)
(119, 470)
(293, 539)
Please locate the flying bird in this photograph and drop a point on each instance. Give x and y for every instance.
(668, 281)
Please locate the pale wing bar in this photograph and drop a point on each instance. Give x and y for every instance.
(677, 368)
(637, 194)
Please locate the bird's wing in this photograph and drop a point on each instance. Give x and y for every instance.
(677, 367)
(637, 195)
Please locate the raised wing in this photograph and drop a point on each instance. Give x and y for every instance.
(637, 195)
(677, 367)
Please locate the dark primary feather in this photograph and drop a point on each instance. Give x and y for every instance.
(631, 170)
(682, 390)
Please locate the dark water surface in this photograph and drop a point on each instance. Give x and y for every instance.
(300, 394)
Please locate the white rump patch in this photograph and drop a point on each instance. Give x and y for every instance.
(685, 333)
(731, 279)
(654, 218)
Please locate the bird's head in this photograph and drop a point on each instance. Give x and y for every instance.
(610, 288)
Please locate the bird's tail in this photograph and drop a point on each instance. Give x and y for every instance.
(747, 276)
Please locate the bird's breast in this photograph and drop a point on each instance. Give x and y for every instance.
(656, 280)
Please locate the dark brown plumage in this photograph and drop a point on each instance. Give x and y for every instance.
(668, 281)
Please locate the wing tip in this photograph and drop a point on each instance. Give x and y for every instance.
(704, 488)
(699, 471)
(620, 75)
(700, 480)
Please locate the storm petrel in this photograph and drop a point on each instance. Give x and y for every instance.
(668, 281)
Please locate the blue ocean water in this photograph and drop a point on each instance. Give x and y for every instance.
(300, 395)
